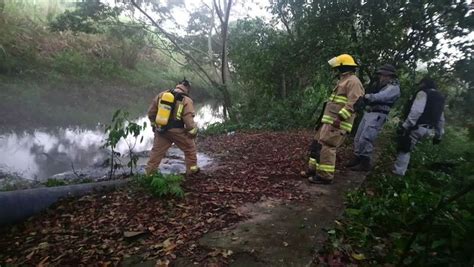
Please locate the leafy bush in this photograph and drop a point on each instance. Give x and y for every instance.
(299, 110)
(161, 185)
(87, 18)
(382, 218)
(51, 182)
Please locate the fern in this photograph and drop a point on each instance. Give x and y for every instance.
(162, 185)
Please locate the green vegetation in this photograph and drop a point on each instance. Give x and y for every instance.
(268, 75)
(56, 68)
(389, 210)
(51, 182)
(274, 67)
(162, 185)
(122, 129)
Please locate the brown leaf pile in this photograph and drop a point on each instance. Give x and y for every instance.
(106, 228)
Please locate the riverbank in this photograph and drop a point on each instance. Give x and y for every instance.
(250, 168)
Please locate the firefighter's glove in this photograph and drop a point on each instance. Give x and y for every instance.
(436, 141)
(153, 128)
(193, 132)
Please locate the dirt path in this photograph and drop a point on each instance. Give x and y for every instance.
(251, 209)
(285, 234)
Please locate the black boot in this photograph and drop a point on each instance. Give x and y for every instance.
(353, 162)
(363, 166)
(307, 173)
(319, 180)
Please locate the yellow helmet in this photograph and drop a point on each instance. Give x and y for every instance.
(342, 60)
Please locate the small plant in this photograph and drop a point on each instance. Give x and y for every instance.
(52, 182)
(162, 185)
(122, 128)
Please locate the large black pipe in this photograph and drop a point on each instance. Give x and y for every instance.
(16, 206)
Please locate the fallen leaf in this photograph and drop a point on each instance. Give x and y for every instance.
(29, 256)
(132, 234)
(167, 242)
(358, 256)
(42, 262)
(227, 253)
(43, 245)
(162, 263)
(168, 245)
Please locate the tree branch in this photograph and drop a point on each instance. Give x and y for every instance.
(219, 11)
(172, 39)
(224, 43)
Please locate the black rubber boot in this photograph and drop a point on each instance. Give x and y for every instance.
(307, 173)
(363, 166)
(318, 180)
(353, 162)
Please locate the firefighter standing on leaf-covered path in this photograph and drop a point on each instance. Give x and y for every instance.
(338, 117)
(424, 118)
(378, 105)
(180, 129)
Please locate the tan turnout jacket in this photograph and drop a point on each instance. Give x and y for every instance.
(187, 115)
(342, 100)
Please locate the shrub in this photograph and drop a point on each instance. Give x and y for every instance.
(52, 182)
(382, 218)
(162, 185)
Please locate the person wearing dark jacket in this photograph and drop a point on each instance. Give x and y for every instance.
(425, 118)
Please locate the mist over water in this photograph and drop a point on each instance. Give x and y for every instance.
(38, 154)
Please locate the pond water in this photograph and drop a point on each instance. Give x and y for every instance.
(38, 154)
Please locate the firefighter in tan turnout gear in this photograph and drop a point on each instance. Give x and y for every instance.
(172, 117)
(336, 122)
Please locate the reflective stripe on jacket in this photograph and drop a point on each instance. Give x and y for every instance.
(340, 104)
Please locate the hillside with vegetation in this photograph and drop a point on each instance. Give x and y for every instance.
(53, 66)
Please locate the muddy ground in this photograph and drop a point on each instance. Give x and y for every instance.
(250, 208)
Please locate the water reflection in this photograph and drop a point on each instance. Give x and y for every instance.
(40, 154)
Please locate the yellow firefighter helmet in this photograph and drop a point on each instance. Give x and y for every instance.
(342, 60)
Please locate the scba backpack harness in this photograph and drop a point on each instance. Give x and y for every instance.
(166, 108)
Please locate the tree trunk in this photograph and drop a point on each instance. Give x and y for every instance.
(224, 58)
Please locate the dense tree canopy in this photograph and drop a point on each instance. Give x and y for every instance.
(403, 33)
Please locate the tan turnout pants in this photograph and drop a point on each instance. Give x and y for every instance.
(163, 142)
(330, 138)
